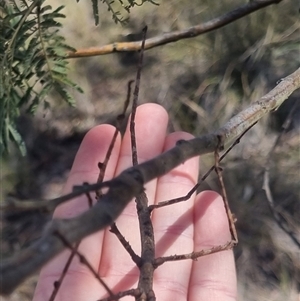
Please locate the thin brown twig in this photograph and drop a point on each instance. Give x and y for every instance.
(102, 168)
(230, 216)
(135, 101)
(90, 200)
(50, 205)
(203, 178)
(83, 260)
(175, 36)
(194, 255)
(58, 283)
(145, 284)
(135, 258)
(114, 229)
(102, 165)
(126, 103)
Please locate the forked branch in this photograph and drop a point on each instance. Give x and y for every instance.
(130, 183)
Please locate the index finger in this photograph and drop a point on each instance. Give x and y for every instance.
(85, 169)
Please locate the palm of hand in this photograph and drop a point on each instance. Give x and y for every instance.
(199, 223)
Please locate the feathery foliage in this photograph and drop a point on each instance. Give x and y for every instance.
(32, 63)
(113, 7)
(32, 58)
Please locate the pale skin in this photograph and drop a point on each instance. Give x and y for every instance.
(197, 224)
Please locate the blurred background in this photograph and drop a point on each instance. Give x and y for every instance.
(202, 82)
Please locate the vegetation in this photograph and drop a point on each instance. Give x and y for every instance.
(201, 81)
(33, 63)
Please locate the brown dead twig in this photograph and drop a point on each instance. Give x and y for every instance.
(174, 36)
(82, 259)
(194, 189)
(74, 249)
(145, 283)
(129, 184)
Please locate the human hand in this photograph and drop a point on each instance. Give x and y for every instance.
(196, 224)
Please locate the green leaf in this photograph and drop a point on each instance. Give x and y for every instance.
(32, 56)
(95, 11)
(25, 61)
(64, 94)
(45, 8)
(17, 139)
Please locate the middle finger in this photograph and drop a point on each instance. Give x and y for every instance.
(151, 124)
